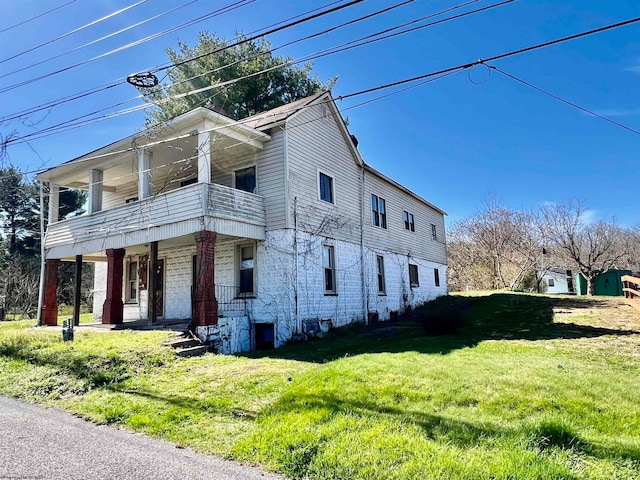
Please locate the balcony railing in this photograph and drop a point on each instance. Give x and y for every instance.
(183, 211)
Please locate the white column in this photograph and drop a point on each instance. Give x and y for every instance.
(204, 157)
(145, 186)
(54, 202)
(95, 190)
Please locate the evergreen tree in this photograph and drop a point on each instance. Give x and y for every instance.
(279, 85)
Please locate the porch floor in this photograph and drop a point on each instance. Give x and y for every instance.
(170, 325)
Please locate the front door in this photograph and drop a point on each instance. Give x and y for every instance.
(160, 289)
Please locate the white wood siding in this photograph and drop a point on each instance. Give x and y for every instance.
(271, 179)
(395, 238)
(316, 144)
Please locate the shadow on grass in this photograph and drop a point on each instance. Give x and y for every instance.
(452, 322)
(541, 436)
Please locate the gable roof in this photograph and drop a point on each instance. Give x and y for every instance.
(279, 114)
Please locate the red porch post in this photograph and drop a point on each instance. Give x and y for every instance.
(49, 313)
(112, 310)
(206, 311)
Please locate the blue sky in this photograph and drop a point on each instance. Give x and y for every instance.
(452, 141)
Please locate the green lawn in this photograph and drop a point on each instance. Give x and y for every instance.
(501, 386)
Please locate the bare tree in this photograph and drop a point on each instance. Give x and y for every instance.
(592, 248)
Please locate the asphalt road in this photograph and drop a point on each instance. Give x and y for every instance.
(39, 443)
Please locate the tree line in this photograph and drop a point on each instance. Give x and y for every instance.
(20, 244)
(501, 247)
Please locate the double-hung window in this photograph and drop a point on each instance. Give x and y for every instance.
(329, 266)
(436, 277)
(326, 188)
(414, 281)
(378, 211)
(245, 272)
(382, 289)
(434, 232)
(408, 221)
(132, 282)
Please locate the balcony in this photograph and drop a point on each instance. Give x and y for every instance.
(184, 211)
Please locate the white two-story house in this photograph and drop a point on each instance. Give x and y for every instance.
(255, 229)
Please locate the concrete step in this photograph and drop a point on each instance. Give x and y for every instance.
(183, 343)
(192, 351)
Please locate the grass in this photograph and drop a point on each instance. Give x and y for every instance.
(500, 386)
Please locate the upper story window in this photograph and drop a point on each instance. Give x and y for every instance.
(378, 211)
(408, 221)
(326, 188)
(414, 281)
(246, 179)
(131, 200)
(329, 266)
(434, 232)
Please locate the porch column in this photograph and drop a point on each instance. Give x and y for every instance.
(113, 308)
(206, 312)
(95, 190)
(49, 313)
(204, 157)
(54, 203)
(145, 189)
(77, 292)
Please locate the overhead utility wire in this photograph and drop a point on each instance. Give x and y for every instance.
(93, 42)
(496, 57)
(36, 17)
(483, 61)
(66, 125)
(264, 34)
(565, 101)
(152, 37)
(90, 24)
(48, 75)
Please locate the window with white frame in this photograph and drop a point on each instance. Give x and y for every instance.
(551, 282)
(434, 232)
(378, 211)
(132, 282)
(382, 288)
(325, 186)
(408, 221)
(414, 281)
(329, 266)
(245, 269)
(436, 277)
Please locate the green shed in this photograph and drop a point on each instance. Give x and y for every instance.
(608, 283)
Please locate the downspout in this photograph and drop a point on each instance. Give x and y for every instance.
(365, 293)
(295, 259)
(42, 261)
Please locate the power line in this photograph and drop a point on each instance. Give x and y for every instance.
(93, 42)
(264, 34)
(90, 24)
(217, 12)
(566, 102)
(36, 17)
(67, 125)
